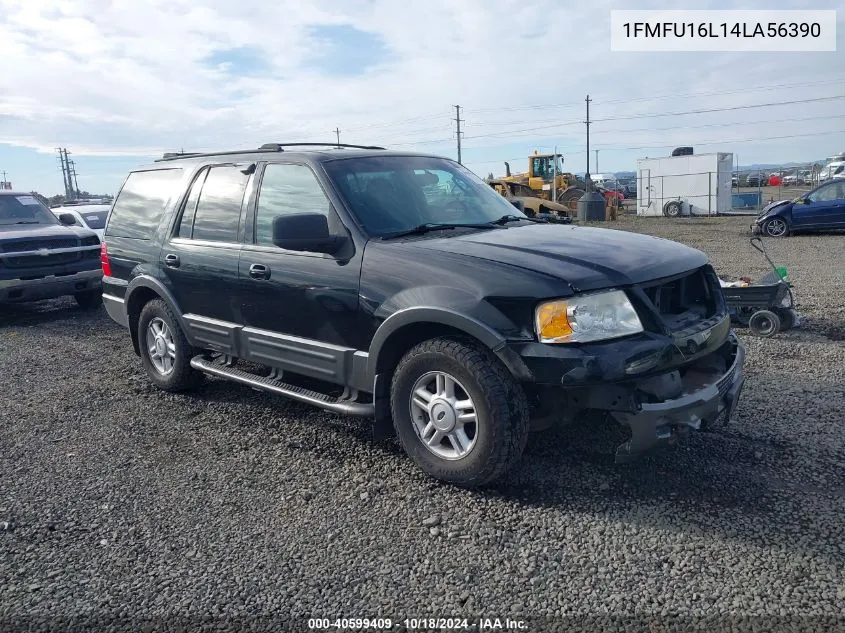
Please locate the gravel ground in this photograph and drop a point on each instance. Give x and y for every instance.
(232, 508)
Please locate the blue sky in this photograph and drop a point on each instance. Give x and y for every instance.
(85, 76)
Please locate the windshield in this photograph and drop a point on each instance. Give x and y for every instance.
(24, 209)
(390, 194)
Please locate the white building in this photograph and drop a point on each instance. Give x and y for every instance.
(698, 184)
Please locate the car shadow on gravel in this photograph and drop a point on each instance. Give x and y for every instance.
(47, 311)
(713, 484)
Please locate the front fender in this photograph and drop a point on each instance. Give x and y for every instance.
(478, 324)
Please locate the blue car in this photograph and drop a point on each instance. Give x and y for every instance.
(821, 209)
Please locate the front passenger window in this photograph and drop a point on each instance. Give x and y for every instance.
(286, 190)
(824, 194)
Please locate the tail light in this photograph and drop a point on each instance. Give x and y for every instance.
(104, 260)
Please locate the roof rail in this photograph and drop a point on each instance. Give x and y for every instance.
(279, 147)
(169, 155)
(267, 147)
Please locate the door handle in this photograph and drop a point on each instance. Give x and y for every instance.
(259, 271)
(171, 260)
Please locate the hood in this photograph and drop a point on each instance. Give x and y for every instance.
(41, 231)
(587, 258)
(772, 206)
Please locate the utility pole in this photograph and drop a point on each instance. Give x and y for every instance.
(588, 144)
(554, 175)
(458, 121)
(66, 177)
(72, 167)
(337, 131)
(597, 161)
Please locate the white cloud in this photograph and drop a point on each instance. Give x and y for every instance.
(123, 78)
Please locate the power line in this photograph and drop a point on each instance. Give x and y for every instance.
(670, 95)
(658, 115)
(576, 104)
(718, 142)
(706, 125)
(727, 109)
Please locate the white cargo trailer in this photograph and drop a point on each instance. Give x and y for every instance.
(698, 184)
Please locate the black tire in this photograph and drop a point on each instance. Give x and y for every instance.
(764, 323)
(775, 227)
(89, 299)
(672, 209)
(787, 319)
(570, 197)
(182, 376)
(501, 407)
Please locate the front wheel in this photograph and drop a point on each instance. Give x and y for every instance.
(458, 413)
(775, 227)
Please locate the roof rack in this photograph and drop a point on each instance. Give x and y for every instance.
(267, 147)
(278, 147)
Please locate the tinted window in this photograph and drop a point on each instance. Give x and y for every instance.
(24, 209)
(186, 223)
(140, 204)
(833, 191)
(286, 189)
(95, 219)
(219, 207)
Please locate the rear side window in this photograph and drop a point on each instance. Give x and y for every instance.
(140, 204)
(219, 205)
(95, 219)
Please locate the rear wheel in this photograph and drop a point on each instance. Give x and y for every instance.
(764, 323)
(458, 413)
(672, 209)
(89, 299)
(165, 352)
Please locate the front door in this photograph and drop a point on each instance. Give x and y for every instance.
(300, 308)
(200, 260)
(823, 208)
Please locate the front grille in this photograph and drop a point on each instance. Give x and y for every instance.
(685, 301)
(34, 245)
(39, 261)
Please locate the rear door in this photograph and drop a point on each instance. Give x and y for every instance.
(200, 256)
(824, 208)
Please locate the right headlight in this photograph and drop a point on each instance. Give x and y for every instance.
(584, 318)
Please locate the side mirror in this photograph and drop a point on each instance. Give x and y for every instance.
(67, 219)
(305, 232)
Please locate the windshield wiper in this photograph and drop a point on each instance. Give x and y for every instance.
(28, 222)
(435, 226)
(516, 218)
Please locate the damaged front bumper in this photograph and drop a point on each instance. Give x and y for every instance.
(704, 392)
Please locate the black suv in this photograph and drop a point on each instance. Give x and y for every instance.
(401, 287)
(42, 257)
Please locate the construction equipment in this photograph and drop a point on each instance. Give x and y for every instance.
(546, 178)
(523, 198)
